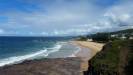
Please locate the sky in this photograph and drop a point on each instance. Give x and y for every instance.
(64, 17)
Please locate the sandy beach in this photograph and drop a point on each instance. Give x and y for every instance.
(57, 66)
(88, 50)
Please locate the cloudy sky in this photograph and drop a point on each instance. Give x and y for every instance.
(63, 17)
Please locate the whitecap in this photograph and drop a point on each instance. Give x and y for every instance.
(41, 53)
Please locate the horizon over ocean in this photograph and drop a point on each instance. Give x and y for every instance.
(14, 49)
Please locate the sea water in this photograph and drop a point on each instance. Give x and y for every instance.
(18, 49)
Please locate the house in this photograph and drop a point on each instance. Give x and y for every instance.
(123, 37)
(113, 35)
(89, 40)
(131, 38)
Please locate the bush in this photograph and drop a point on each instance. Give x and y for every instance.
(101, 37)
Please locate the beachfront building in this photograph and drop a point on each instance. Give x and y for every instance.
(123, 37)
(114, 35)
(89, 40)
(131, 38)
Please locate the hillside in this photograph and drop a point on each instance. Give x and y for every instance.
(110, 36)
(123, 31)
(116, 58)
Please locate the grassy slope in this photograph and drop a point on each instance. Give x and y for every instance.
(112, 60)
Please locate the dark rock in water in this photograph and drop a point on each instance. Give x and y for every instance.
(58, 66)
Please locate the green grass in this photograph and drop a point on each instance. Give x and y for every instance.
(108, 60)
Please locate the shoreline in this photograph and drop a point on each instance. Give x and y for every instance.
(87, 51)
(78, 59)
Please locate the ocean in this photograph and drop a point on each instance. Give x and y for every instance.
(17, 49)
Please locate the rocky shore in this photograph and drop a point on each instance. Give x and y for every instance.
(57, 66)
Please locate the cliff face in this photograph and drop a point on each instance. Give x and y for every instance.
(116, 58)
(59, 66)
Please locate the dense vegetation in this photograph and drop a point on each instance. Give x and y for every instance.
(82, 38)
(116, 58)
(111, 36)
(100, 37)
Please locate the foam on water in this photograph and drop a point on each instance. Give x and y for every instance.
(76, 51)
(18, 59)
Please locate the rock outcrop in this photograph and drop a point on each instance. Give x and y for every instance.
(58, 66)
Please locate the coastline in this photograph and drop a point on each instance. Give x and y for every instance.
(87, 51)
(75, 64)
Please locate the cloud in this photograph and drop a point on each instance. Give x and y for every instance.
(65, 17)
(44, 33)
(61, 15)
(1, 31)
(116, 17)
(121, 14)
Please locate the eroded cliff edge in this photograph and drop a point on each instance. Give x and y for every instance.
(116, 58)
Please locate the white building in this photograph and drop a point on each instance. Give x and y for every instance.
(89, 40)
(130, 37)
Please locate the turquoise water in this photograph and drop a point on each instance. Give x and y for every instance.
(18, 49)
